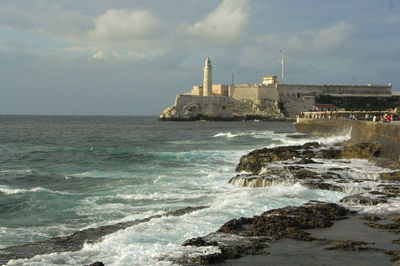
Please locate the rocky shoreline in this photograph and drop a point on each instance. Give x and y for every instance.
(254, 240)
(311, 234)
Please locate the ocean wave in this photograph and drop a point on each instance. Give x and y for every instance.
(284, 140)
(159, 196)
(228, 135)
(10, 191)
(254, 134)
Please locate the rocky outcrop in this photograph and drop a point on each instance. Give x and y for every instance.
(255, 160)
(304, 164)
(394, 176)
(245, 236)
(188, 107)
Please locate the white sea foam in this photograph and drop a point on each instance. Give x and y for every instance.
(149, 243)
(10, 191)
(103, 174)
(228, 135)
(159, 196)
(284, 140)
(254, 134)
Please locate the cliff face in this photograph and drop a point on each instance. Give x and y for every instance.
(188, 107)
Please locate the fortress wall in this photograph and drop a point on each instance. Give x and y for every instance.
(182, 99)
(248, 92)
(269, 92)
(220, 89)
(359, 89)
(197, 90)
(294, 97)
(295, 90)
(361, 102)
(253, 92)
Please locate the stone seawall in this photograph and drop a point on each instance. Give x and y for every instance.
(386, 134)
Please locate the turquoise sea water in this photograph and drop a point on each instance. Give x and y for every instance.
(59, 175)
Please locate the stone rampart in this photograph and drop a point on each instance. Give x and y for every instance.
(361, 102)
(297, 90)
(253, 92)
(295, 97)
(386, 134)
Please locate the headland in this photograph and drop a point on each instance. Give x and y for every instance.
(271, 100)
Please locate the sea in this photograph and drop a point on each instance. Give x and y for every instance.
(63, 174)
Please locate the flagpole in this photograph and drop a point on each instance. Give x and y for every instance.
(283, 65)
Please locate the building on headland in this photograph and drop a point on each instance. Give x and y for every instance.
(267, 99)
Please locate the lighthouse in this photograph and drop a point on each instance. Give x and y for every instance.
(207, 84)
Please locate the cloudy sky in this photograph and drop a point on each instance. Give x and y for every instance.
(131, 57)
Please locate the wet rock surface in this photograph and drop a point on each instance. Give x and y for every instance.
(348, 245)
(254, 161)
(304, 164)
(363, 200)
(264, 239)
(394, 176)
(252, 236)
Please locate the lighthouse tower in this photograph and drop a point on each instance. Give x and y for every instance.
(207, 83)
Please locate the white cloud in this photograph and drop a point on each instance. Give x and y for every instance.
(335, 40)
(221, 26)
(99, 55)
(124, 25)
(332, 37)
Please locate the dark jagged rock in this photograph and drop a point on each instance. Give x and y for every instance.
(97, 263)
(389, 189)
(362, 150)
(230, 246)
(331, 175)
(199, 242)
(372, 218)
(394, 176)
(362, 200)
(311, 145)
(331, 153)
(338, 169)
(304, 173)
(255, 160)
(286, 221)
(348, 245)
(323, 186)
(391, 227)
(251, 235)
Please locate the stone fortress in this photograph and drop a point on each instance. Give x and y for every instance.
(266, 101)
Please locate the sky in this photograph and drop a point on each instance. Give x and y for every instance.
(131, 57)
